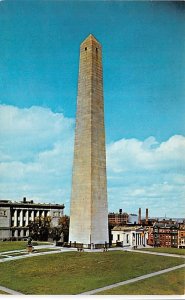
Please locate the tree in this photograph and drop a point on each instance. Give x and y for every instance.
(64, 225)
(39, 228)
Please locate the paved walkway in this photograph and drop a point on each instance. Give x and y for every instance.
(8, 255)
(92, 292)
(157, 253)
(9, 291)
(28, 255)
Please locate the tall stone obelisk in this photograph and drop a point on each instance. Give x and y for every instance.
(89, 209)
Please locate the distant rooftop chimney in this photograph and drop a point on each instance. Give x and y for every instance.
(146, 216)
(139, 216)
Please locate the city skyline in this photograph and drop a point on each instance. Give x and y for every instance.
(143, 70)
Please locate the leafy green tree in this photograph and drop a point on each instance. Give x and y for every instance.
(39, 228)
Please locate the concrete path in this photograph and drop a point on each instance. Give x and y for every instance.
(28, 255)
(9, 291)
(92, 292)
(157, 253)
(7, 254)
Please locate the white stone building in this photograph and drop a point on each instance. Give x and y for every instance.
(15, 216)
(127, 236)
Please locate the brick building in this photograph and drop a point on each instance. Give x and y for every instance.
(150, 236)
(163, 235)
(181, 236)
(120, 218)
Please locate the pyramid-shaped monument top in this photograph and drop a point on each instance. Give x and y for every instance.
(90, 39)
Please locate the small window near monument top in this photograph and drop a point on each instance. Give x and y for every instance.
(85, 48)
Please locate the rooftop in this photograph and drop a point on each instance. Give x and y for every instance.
(25, 202)
(126, 228)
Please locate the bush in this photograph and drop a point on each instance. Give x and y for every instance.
(34, 243)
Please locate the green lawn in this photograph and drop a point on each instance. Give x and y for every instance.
(74, 272)
(171, 283)
(166, 250)
(18, 245)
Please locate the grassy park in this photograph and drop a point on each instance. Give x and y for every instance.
(73, 272)
(17, 245)
(171, 283)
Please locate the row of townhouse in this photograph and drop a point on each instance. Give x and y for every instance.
(167, 235)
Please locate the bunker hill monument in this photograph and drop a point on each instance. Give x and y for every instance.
(89, 209)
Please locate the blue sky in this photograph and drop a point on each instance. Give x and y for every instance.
(143, 62)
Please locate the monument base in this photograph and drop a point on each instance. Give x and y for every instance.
(88, 246)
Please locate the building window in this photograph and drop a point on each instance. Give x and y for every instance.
(85, 48)
(127, 239)
(118, 237)
(56, 214)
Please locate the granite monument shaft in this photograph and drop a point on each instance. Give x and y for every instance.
(89, 209)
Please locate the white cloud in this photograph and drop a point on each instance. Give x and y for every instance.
(132, 154)
(36, 161)
(36, 154)
(26, 131)
(148, 174)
